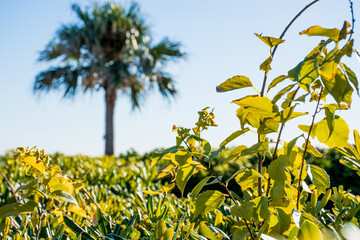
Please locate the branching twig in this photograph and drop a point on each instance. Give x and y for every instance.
(219, 180)
(10, 186)
(305, 148)
(352, 19)
(265, 79)
(278, 140)
(87, 195)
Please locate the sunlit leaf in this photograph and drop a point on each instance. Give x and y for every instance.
(183, 175)
(244, 210)
(208, 201)
(339, 88)
(270, 41)
(309, 230)
(332, 33)
(338, 137)
(34, 163)
(265, 66)
(233, 83)
(15, 209)
(248, 178)
(318, 177)
(276, 81)
(233, 136)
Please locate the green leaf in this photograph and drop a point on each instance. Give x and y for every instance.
(282, 92)
(284, 220)
(168, 235)
(208, 201)
(103, 224)
(338, 137)
(339, 88)
(241, 233)
(233, 136)
(233, 83)
(351, 77)
(304, 73)
(265, 66)
(236, 152)
(261, 208)
(319, 177)
(323, 201)
(270, 41)
(15, 209)
(287, 114)
(277, 191)
(64, 196)
(196, 190)
(332, 33)
(214, 154)
(277, 169)
(184, 173)
(312, 150)
(160, 229)
(248, 178)
(276, 81)
(256, 148)
(183, 157)
(158, 156)
(309, 230)
(206, 232)
(258, 105)
(245, 210)
(76, 228)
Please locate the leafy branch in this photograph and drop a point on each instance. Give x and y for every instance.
(219, 180)
(306, 147)
(260, 159)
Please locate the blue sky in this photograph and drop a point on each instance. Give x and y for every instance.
(218, 38)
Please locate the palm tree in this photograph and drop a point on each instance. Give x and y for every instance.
(110, 49)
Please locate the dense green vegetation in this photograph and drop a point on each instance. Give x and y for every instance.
(124, 187)
(269, 189)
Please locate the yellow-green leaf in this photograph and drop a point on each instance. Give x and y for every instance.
(245, 210)
(208, 201)
(206, 232)
(233, 83)
(338, 137)
(35, 164)
(265, 66)
(248, 178)
(339, 88)
(233, 136)
(15, 209)
(332, 33)
(309, 231)
(183, 175)
(276, 81)
(270, 41)
(319, 177)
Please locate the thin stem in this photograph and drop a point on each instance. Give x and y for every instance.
(278, 139)
(265, 79)
(87, 195)
(219, 180)
(10, 186)
(39, 226)
(352, 19)
(281, 36)
(306, 146)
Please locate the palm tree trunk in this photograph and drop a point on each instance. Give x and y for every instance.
(110, 99)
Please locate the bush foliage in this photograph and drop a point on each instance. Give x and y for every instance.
(284, 194)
